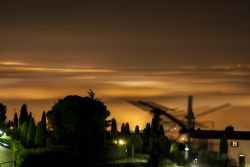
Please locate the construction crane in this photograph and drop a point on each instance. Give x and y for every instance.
(187, 126)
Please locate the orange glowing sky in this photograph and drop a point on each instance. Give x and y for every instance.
(128, 50)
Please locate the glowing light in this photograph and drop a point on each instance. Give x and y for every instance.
(1, 132)
(137, 83)
(10, 63)
(132, 92)
(66, 70)
(186, 148)
(5, 144)
(121, 142)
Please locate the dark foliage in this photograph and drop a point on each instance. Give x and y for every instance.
(123, 131)
(44, 123)
(31, 133)
(223, 145)
(161, 130)
(137, 131)
(40, 135)
(16, 120)
(23, 115)
(78, 122)
(3, 111)
(127, 130)
(24, 132)
(146, 134)
(114, 132)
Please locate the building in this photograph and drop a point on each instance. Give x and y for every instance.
(238, 143)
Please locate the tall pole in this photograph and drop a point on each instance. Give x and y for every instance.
(190, 124)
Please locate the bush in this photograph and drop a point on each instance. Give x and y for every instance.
(212, 159)
(45, 158)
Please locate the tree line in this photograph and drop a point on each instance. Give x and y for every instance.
(23, 128)
(80, 124)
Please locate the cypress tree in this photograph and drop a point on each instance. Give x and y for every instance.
(137, 131)
(123, 134)
(223, 145)
(114, 132)
(23, 115)
(31, 133)
(29, 118)
(23, 135)
(146, 134)
(44, 120)
(3, 110)
(44, 128)
(16, 120)
(127, 130)
(40, 135)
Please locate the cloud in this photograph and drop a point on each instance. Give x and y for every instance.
(118, 83)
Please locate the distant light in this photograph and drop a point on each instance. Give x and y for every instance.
(1, 132)
(242, 155)
(186, 148)
(5, 144)
(11, 127)
(121, 142)
(115, 141)
(234, 144)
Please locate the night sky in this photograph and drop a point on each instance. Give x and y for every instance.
(126, 50)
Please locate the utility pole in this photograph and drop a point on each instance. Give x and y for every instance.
(190, 128)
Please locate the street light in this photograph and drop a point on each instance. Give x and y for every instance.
(121, 142)
(186, 152)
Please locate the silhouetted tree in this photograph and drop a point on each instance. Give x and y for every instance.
(135, 143)
(40, 135)
(44, 128)
(127, 130)
(223, 151)
(23, 115)
(78, 122)
(31, 133)
(44, 120)
(161, 130)
(16, 120)
(91, 94)
(146, 135)
(9, 124)
(123, 131)
(137, 131)
(24, 132)
(229, 129)
(3, 111)
(29, 117)
(164, 145)
(114, 132)
(223, 145)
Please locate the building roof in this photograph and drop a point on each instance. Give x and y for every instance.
(217, 134)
